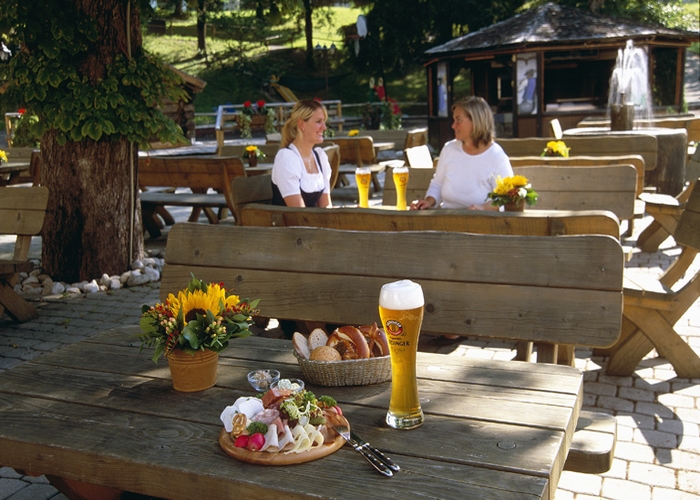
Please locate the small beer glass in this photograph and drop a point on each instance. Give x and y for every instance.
(401, 307)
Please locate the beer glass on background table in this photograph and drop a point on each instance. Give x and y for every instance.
(401, 181)
(363, 176)
(401, 305)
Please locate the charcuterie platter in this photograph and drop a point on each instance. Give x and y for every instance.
(284, 426)
(278, 458)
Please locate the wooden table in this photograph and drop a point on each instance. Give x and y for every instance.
(100, 412)
(10, 170)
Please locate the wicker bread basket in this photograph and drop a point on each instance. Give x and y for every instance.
(349, 372)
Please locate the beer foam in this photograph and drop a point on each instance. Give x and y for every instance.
(401, 295)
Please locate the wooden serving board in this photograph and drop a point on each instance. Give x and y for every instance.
(265, 458)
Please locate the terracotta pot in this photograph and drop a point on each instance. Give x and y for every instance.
(193, 373)
(518, 206)
(252, 161)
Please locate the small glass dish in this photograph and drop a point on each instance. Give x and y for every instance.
(294, 384)
(262, 380)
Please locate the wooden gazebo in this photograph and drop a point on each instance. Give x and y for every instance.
(549, 62)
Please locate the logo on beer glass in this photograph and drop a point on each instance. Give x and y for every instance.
(394, 328)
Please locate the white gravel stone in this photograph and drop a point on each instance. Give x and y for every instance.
(91, 287)
(57, 288)
(152, 273)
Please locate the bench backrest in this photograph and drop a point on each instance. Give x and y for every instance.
(585, 161)
(612, 187)
(22, 212)
(333, 152)
(532, 223)
(416, 137)
(246, 190)
(564, 290)
(687, 232)
(190, 171)
(356, 150)
(600, 145)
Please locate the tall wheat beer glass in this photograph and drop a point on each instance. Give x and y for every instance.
(401, 181)
(401, 310)
(362, 177)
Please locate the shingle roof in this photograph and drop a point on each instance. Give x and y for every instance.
(553, 23)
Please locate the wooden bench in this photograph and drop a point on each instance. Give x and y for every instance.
(653, 307)
(620, 145)
(22, 212)
(533, 223)
(563, 290)
(611, 187)
(199, 174)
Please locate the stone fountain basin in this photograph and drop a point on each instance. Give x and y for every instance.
(669, 176)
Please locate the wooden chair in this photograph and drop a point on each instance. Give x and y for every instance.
(666, 211)
(358, 152)
(22, 212)
(652, 308)
(333, 152)
(416, 137)
(419, 157)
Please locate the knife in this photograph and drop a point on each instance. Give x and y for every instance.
(376, 463)
(381, 456)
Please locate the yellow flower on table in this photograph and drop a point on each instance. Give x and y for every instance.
(3, 156)
(556, 148)
(354, 132)
(512, 189)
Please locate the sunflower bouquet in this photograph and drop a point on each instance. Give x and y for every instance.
(201, 317)
(253, 151)
(511, 190)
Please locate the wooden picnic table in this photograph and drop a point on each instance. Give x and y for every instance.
(98, 411)
(11, 170)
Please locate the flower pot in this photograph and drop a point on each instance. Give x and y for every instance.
(193, 373)
(252, 161)
(515, 206)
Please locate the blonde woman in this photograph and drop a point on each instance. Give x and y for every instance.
(469, 164)
(301, 173)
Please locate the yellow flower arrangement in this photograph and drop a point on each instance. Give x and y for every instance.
(253, 152)
(203, 316)
(354, 132)
(3, 156)
(556, 148)
(511, 190)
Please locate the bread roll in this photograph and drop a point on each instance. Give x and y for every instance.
(325, 353)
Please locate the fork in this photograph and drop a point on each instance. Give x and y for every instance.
(344, 431)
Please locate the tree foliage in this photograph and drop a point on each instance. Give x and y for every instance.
(56, 76)
(667, 13)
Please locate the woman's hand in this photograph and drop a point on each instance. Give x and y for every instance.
(429, 202)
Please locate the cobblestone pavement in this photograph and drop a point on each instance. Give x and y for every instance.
(657, 456)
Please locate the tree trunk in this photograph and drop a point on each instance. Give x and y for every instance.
(309, 33)
(87, 230)
(202, 27)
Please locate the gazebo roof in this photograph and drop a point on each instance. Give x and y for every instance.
(553, 24)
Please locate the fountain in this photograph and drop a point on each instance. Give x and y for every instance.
(630, 112)
(630, 96)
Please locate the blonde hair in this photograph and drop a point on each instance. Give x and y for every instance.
(302, 110)
(479, 112)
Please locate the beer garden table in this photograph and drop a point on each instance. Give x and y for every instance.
(101, 412)
(11, 170)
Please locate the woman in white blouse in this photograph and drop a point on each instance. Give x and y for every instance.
(301, 173)
(468, 166)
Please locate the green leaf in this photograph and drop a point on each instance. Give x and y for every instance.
(92, 129)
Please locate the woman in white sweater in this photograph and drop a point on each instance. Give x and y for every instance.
(468, 166)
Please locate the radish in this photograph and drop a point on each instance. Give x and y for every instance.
(256, 442)
(241, 441)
